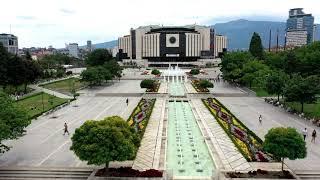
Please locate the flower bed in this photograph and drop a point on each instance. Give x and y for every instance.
(261, 174)
(141, 114)
(247, 142)
(128, 172)
(196, 86)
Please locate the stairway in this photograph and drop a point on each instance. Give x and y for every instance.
(308, 174)
(35, 173)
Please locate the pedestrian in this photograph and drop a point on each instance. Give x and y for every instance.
(65, 129)
(305, 133)
(127, 101)
(314, 135)
(260, 119)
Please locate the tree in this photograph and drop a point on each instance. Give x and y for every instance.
(194, 71)
(205, 84)
(13, 120)
(285, 143)
(33, 72)
(92, 75)
(4, 61)
(155, 72)
(303, 90)
(251, 72)
(148, 83)
(105, 73)
(256, 48)
(291, 63)
(16, 72)
(114, 68)
(100, 142)
(275, 83)
(28, 56)
(98, 57)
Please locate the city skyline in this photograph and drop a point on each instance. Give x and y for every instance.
(40, 24)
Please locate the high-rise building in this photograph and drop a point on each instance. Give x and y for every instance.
(73, 50)
(297, 24)
(89, 45)
(220, 43)
(10, 42)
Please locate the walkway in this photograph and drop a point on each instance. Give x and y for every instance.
(248, 109)
(51, 92)
(231, 158)
(148, 156)
(189, 88)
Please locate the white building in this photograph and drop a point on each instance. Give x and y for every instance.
(163, 45)
(296, 38)
(10, 42)
(73, 49)
(220, 43)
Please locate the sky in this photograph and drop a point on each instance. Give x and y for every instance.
(40, 23)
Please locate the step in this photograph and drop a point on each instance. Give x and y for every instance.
(44, 176)
(3, 172)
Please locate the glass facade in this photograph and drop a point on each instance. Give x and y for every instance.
(298, 20)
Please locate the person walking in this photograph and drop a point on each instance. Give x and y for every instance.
(305, 133)
(65, 129)
(260, 119)
(314, 135)
(127, 101)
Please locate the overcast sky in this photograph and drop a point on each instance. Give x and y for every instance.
(41, 23)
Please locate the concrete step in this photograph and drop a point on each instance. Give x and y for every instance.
(44, 173)
(308, 174)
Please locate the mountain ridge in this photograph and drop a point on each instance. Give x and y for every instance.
(239, 33)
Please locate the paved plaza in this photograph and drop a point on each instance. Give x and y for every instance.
(248, 109)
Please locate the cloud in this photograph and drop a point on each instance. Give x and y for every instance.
(26, 17)
(67, 11)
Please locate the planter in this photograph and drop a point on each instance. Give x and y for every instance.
(128, 172)
(260, 174)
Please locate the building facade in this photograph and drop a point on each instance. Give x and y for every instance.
(89, 45)
(163, 45)
(73, 49)
(220, 44)
(10, 42)
(297, 24)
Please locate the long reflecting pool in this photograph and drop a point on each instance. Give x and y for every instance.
(187, 154)
(176, 89)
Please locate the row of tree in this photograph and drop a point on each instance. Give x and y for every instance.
(16, 71)
(293, 74)
(101, 67)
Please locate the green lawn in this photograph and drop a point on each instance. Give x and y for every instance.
(34, 106)
(310, 110)
(65, 86)
(260, 92)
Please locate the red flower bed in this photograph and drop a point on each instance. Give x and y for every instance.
(128, 172)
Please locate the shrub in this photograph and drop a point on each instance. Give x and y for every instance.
(205, 84)
(148, 83)
(195, 71)
(155, 72)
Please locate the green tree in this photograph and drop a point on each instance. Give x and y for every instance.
(285, 143)
(256, 48)
(303, 90)
(98, 57)
(155, 72)
(33, 72)
(16, 72)
(4, 61)
(13, 120)
(205, 84)
(28, 55)
(275, 83)
(148, 83)
(251, 72)
(92, 75)
(100, 142)
(114, 68)
(195, 71)
(291, 63)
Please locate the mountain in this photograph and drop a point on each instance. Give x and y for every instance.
(239, 33)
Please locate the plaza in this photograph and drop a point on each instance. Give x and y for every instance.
(182, 138)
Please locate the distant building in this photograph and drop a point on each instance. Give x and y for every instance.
(298, 24)
(73, 50)
(10, 42)
(160, 46)
(220, 43)
(89, 45)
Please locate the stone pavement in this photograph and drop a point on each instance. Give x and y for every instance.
(148, 156)
(229, 155)
(44, 144)
(248, 109)
(163, 87)
(189, 87)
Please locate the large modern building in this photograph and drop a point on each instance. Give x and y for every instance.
(191, 45)
(220, 44)
(299, 24)
(89, 45)
(10, 42)
(73, 49)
